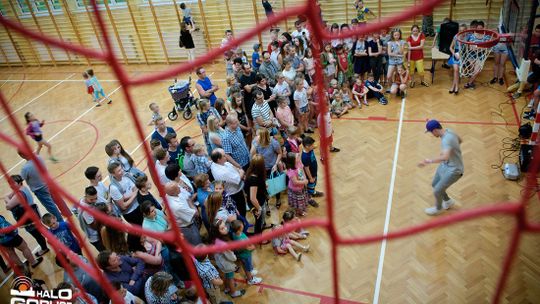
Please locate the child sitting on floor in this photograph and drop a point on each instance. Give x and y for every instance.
(338, 107)
(283, 244)
(290, 217)
(375, 89)
(359, 92)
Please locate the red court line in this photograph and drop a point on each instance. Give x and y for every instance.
(381, 118)
(324, 299)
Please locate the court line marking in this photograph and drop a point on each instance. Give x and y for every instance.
(35, 98)
(63, 129)
(5, 81)
(389, 205)
(82, 80)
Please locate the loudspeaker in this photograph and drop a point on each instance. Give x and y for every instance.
(446, 35)
(525, 157)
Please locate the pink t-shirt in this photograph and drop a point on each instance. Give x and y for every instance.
(291, 173)
(286, 115)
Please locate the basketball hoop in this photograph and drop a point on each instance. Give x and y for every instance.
(474, 48)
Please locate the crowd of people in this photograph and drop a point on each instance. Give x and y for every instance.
(256, 131)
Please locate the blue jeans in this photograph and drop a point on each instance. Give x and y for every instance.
(44, 196)
(247, 262)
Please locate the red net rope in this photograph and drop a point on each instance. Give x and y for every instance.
(308, 9)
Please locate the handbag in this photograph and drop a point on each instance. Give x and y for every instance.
(276, 183)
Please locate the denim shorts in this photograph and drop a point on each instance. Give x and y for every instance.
(304, 110)
(500, 49)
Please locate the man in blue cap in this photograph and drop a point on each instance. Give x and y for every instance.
(450, 166)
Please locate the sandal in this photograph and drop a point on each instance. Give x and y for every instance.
(334, 149)
(424, 84)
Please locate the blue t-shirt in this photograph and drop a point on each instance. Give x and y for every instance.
(64, 235)
(254, 58)
(310, 160)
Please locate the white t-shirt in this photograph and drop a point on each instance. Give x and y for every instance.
(300, 98)
(128, 187)
(281, 89)
(228, 174)
(182, 212)
(102, 192)
(161, 173)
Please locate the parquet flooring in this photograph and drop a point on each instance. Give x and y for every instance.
(455, 264)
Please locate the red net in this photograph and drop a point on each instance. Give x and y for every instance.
(514, 209)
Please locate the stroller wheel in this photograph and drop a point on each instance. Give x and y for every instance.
(187, 114)
(172, 115)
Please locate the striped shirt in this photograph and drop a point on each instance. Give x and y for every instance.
(207, 272)
(261, 110)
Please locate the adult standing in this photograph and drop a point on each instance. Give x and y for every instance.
(205, 111)
(161, 131)
(186, 40)
(269, 148)
(30, 174)
(269, 69)
(188, 166)
(205, 87)
(184, 213)
(450, 168)
(269, 96)
(87, 221)
(247, 83)
(261, 112)
(124, 194)
(255, 188)
(232, 176)
(234, 145)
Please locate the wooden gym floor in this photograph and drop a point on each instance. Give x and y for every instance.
(377, 186)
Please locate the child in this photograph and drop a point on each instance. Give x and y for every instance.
(359, 92)
(89, 87)
(62, 232)
(454, 61)
(396, 53)
(399, 86)
(187, 15)
(98, 89)
(155, 113)
(301, 103)
(362, 10)
(210, 279)
(328, 62)
(346, 93)
(289, 217)
(283, 244)
(284, 116)
(375, 90)
(128, 297)
(343, 63)
(33, 129)
(226, 260)
(416, 55)
(309, 161)
(338, 107)
(245, 254)
(297, 194)
(200, 159)
(256, 57)
(232, 85)
(332, 89)
(293, 142)
(329, 131)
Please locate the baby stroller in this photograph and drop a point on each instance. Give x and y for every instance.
(183, 100)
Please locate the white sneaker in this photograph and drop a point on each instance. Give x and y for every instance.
(254, 272)
(255, 281)
(433, 211)
(448, 204)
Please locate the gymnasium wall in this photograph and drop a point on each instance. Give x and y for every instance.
(146, 31)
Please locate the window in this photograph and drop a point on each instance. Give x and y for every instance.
(39, 7)
(80, 3)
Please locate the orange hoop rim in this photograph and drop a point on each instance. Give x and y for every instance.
(484, 44)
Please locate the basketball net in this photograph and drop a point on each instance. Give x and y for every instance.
(474, 48)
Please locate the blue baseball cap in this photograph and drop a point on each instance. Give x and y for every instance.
(432, 125)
